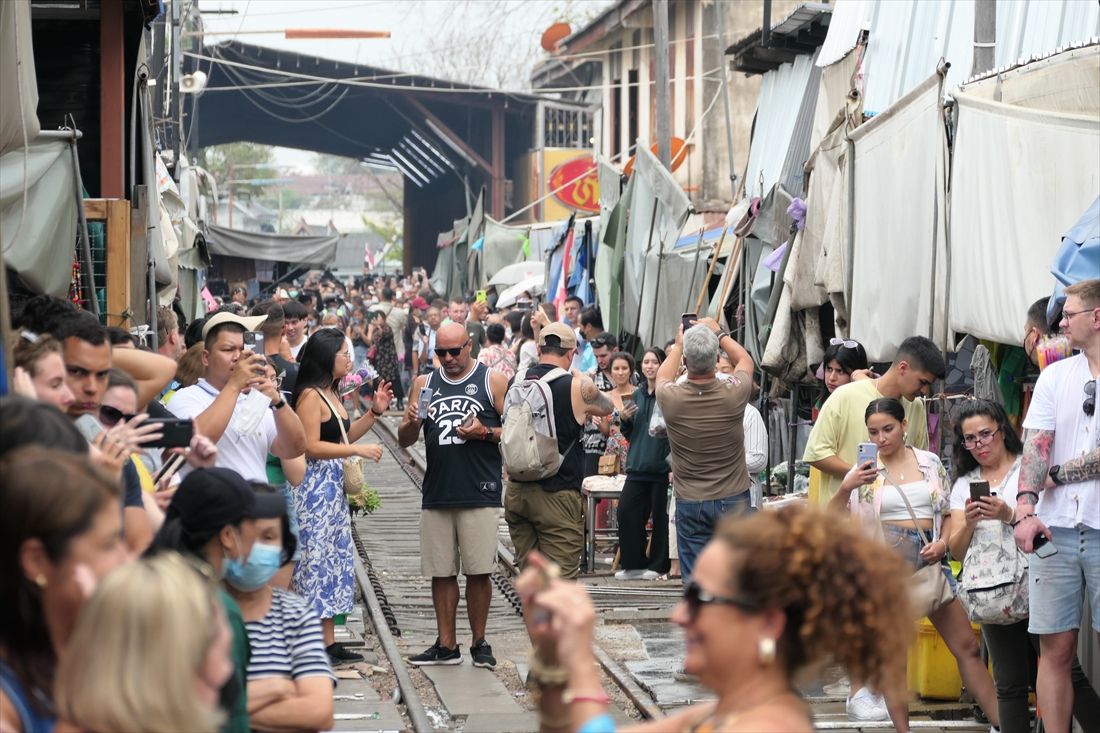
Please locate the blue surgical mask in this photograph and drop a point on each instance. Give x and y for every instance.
(260, 567)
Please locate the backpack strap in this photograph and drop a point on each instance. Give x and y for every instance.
(553, 374)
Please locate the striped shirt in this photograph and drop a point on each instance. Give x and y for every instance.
(287, 641)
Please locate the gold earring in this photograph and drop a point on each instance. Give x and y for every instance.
(765, 651)
(40, 580)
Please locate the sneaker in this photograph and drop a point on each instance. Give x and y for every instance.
(865, 706)
(628, 575)
(482, 655)
(339, 654)
(437, 654)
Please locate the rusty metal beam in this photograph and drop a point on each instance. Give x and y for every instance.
(455, 138)
(112, 101)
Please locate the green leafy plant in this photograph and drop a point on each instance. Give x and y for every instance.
(367, 501)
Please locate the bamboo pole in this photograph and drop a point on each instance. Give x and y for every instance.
(710, 269)
(735, 256)
(694, 268)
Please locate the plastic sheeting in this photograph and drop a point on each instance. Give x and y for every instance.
(908, 37)
(503, 245)
(18, 88)
(658, 199)
(40, 245)
(899, 254)
(1008, 212)
(276, 247)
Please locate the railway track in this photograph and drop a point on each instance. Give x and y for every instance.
(384, 615)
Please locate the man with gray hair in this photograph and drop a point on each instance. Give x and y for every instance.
(704, 417)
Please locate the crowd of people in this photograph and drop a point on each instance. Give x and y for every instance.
(215, 470)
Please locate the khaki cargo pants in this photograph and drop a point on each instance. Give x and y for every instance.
(551, 522)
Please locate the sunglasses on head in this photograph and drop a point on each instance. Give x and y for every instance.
(453, 353)
(695, 598)
(846, 343)
(111, 416)
(1089, 405)
(603, 341)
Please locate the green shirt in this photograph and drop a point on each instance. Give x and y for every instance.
(235, 692)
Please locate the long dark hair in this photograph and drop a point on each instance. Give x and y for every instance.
(964, 461)
(885, 405)
(39, 502)
(317, 360)
(850, 359)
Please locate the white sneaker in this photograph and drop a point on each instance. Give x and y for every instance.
(627, 574)
(649, 575)
(865, 706)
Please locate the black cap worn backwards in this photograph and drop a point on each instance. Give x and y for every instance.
(211, 498)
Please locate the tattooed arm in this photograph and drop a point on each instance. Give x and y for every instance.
(1034, 470)
(1082, 468)
(588, 400)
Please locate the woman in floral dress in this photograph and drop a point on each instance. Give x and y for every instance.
(325, 573)
(383, 352)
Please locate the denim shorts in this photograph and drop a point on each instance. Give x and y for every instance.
(908, 543)
(1061, 583)
(292, 517)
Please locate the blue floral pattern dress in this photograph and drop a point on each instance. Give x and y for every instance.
(325, 573)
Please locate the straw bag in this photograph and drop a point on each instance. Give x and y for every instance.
(353, 465)
(928, 588)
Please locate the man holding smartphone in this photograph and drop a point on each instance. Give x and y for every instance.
(235, 404)
(1059, 501)
(462, 490)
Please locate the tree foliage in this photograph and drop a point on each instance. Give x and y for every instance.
(219, 159)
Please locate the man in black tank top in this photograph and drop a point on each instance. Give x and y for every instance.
(462, 490)
(548, 515)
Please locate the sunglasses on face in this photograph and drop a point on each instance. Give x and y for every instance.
(111, 416)
(695, 598)
(1089, 405)
(982, 439)
(453, 353)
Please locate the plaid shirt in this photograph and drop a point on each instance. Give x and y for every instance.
(593, 440)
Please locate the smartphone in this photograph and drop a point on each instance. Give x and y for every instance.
(1043, 547)
(423, 403)
(482, 296)
(866, 452)
(254, 341)
(468, 420)
(168, 469)
(978, 489)
(88, 426)
(175, 433)
(688, 320)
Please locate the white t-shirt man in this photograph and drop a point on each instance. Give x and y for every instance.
(246, 454)
(1057, 405)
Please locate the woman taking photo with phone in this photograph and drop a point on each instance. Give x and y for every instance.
(383, 352)
(325, 574)
(872, 492)
(773, 594)
(987, 459)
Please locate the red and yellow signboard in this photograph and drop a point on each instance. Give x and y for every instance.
(576, 184)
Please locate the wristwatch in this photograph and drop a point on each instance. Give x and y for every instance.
(278, 405)
(722, 334)
(1055, 474)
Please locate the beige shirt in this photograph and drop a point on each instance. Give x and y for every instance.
(706, 433)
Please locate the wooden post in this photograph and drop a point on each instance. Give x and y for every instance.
(710, 270)
(115, 213)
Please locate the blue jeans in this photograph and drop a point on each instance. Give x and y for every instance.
(695, 522)
(1062, 583)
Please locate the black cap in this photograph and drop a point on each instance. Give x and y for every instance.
(211, 498)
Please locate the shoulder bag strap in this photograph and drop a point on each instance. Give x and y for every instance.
(339, 420)
(912, 514)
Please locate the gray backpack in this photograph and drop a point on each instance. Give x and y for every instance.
(529, 439)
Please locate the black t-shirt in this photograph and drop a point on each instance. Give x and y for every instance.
(460, 473)
(131, 482)
(571, 473)
(289, 370)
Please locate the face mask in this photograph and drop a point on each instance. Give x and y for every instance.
(258, 570)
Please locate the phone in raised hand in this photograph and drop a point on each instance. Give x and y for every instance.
(866, 452)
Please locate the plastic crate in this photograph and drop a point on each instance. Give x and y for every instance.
(932, 670)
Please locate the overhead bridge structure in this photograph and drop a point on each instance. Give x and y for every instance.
(448, 140)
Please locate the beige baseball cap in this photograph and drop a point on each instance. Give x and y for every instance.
(248, 323)
(564, 333)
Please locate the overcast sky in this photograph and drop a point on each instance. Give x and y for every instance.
(427, 36)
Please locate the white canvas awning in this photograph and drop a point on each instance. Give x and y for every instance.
(18, 88)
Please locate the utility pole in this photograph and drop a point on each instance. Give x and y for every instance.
(985, 36)
(660, 47)
(177, 75)
(724, 81)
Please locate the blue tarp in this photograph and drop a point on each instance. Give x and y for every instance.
(1079, 257)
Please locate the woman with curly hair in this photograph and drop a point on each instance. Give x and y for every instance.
(872, 492)
(772, 594)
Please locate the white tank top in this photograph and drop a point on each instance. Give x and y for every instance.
(892, 508)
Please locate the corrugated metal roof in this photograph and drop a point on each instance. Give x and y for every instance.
(908, 37)
(777, 111)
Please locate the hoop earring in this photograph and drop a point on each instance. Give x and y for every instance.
(765, 651)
